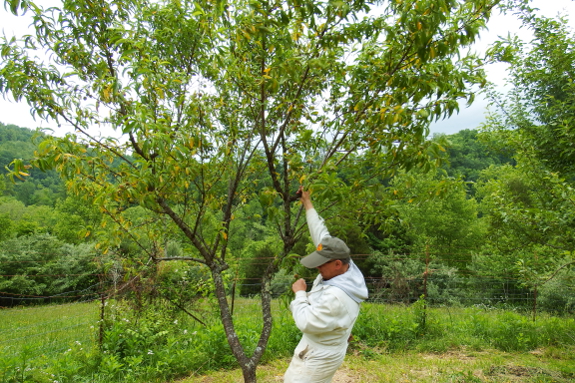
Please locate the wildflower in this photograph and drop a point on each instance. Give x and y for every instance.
(185, 332)
(150, 352)
(78, 343)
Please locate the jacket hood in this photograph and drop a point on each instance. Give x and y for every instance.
(351, 282)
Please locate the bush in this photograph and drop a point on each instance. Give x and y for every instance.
(558, 295)
(392, 329)
(35, 259)
(155, 342)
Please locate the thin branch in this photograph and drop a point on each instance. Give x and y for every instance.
(556, 272)
(125, 230)
(166, 259)
(183, 309)
(191, 235)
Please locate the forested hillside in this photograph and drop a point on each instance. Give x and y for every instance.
(447, 213)
(41, 188)
(46, 244)
(469, 155)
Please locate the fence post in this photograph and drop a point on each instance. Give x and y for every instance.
(534, 302)
(535, 290)
(101, 334)
(425, 284)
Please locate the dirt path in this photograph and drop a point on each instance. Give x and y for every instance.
(460, 366)
(341, 376)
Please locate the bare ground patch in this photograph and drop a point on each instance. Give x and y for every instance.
(520, 373)
(342, 375)
(456, 366)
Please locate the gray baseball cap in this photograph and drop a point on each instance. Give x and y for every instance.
(330, 248)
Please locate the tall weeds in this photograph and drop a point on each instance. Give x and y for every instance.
(156, 343)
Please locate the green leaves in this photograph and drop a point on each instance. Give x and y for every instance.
(14, 5)
(541, 74)
(532, 203)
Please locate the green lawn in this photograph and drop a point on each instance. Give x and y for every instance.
(46, 330)
(547, 365)
(392, 343)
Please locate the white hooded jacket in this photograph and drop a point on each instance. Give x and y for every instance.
(327, 313)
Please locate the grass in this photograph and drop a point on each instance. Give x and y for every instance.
(46, 330)
(493, 366)
(393, 343)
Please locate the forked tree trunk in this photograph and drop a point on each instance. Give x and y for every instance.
(247, 364)
(249, 373)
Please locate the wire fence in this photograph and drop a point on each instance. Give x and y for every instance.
(36, 325)
(88, 294)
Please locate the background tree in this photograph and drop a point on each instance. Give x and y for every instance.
(439, 217)
(469, 154)
(540, 103)
(42, 265)
(531, 207)
(209, 94)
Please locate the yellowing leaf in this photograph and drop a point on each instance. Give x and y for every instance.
(106, 93)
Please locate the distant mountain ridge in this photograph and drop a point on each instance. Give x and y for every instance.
(40, 188)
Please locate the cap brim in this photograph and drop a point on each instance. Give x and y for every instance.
(314, 260)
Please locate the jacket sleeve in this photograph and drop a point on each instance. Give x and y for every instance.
(316, 225)
(324, 315)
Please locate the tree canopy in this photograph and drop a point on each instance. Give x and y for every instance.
(178, 105)
(540, 104)
(531, 207)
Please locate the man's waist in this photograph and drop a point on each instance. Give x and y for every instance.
(327, 342)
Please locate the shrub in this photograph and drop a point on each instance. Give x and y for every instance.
(558, 295)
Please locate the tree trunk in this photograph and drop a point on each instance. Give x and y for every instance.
(249, 372)
(248, 365)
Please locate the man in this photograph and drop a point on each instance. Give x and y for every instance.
(327, 313)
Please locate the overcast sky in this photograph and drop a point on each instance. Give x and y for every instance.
(468, 118)
(499, 25)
